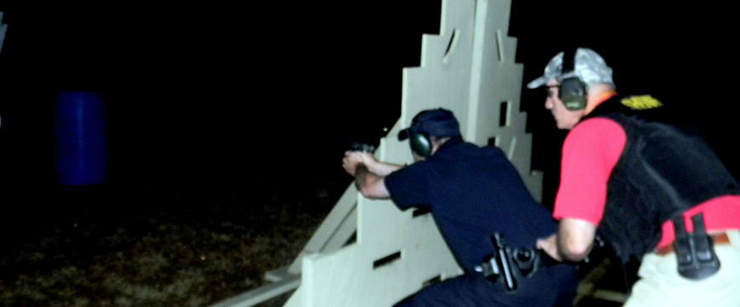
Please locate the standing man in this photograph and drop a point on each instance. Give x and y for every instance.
(472, 192)
(3, 30)
(647, 182)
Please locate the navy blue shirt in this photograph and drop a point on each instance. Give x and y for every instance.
(472, 192)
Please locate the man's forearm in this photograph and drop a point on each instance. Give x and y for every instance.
(361, 176)
(370, 184)
(383, 169)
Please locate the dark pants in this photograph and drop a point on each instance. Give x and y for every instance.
(554, 286)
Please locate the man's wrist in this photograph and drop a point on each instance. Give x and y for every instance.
(361, 168)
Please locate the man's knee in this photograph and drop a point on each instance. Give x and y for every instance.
(407, 302)
(424, 298)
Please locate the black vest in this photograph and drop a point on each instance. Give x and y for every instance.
(666, 167)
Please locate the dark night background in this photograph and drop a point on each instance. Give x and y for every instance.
(208, 97)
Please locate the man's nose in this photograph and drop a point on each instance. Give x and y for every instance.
(548, 103)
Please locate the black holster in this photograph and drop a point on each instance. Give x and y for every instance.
(509, 265)
(694, 251)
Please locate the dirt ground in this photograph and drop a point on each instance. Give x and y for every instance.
(170, 249)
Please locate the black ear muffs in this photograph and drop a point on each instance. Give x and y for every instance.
(572, 90)
(420, 144)
(573, 93)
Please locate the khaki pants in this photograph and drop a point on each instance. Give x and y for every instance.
(660, 284)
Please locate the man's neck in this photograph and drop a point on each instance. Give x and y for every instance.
(597, 95)
(445, 142)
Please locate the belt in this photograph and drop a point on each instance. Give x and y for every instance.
(717, 239)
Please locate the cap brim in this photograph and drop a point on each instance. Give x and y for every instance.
(404, 134)
(537, 82)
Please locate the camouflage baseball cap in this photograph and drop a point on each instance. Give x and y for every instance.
(590, 67)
